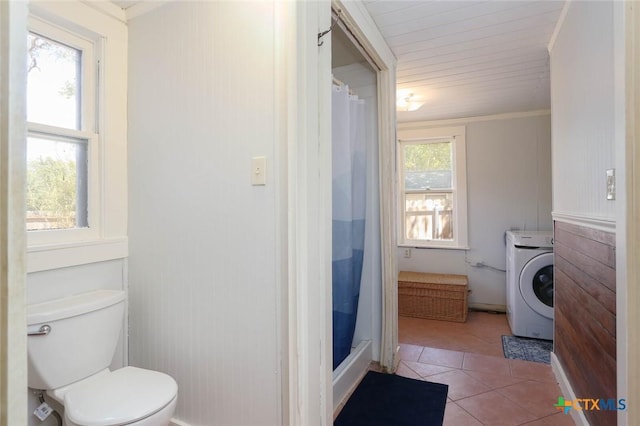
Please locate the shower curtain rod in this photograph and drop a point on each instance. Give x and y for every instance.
(347, 27)
(339, 83)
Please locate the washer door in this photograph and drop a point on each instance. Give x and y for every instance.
(536, 284)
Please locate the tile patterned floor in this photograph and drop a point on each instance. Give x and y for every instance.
(484, 387)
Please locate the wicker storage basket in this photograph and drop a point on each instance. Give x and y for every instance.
(433, 296)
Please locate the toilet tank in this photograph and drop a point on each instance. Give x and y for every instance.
(84, 332)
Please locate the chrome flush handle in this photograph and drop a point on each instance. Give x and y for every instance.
(42, 331)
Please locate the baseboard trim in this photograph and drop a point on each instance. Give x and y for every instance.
(176, 422)
(487, 307)
(567, 392)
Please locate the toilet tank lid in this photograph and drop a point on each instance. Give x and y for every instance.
(71, 306)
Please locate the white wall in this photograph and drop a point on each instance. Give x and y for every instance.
(203, 291)
(582, 98)
(508, 186)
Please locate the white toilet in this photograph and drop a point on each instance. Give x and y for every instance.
(71, 344)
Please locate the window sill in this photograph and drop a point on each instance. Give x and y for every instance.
(54, 256)
(414, 246)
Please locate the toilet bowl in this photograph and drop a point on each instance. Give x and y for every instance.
(142, 397)
(91, 394)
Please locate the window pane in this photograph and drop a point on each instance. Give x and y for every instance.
(53, 83)
(56, 183)
(429, 216)
(428, 166)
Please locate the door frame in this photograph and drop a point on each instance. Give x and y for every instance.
(628, 213)
(13, 337)
(305, 151)
(359, 23)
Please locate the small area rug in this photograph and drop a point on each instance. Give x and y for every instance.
(527, 349)
(386, 399)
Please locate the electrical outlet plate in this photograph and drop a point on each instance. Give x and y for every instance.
(475, 262)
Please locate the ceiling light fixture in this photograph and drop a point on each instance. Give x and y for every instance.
(407, 104)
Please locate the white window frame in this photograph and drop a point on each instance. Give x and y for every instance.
(87, 132)
(104, 127)
(459, 185)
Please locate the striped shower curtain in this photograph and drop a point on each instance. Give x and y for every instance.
(349, 199)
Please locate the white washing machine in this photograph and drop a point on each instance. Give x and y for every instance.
(530, 283)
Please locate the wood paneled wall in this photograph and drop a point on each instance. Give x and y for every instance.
(585, 313)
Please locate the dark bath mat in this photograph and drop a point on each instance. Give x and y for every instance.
(390, 400)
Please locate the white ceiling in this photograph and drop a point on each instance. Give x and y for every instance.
(469, 58)
(466, 58)
(125, 4)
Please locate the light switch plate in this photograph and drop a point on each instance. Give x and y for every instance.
(258, 171)
(611, 184)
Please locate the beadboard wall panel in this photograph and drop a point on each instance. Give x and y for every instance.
(203, 292)
(583, 123)
(585, 313)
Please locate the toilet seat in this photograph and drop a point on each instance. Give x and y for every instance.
(117, 398)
